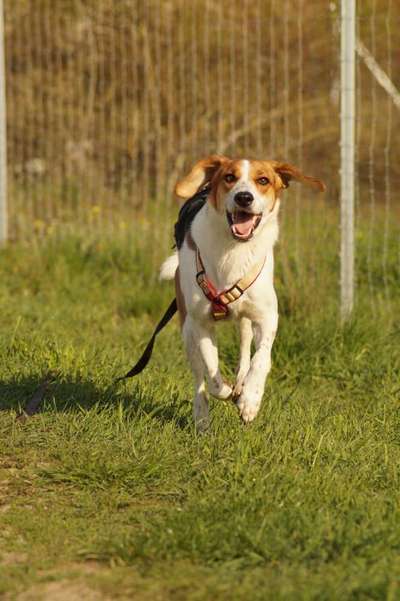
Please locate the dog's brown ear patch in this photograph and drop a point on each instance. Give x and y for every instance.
(288, 172)
(200, 174)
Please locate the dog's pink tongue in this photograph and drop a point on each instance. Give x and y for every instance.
(243, 224)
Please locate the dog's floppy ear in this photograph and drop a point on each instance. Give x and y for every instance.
(288, 172)
(200, 174)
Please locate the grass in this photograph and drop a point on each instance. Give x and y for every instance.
(109, 492)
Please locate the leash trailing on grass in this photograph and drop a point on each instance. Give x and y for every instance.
(146, 356)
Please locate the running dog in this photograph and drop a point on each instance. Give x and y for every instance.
(223, 269)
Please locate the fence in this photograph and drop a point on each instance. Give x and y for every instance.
(108, 102)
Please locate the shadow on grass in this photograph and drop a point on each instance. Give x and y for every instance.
(32, 395)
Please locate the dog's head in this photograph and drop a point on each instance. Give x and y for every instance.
(243, 190)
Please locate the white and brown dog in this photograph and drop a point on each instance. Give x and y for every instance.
(224, 268)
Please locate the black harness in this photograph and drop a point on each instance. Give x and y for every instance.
(187, 213)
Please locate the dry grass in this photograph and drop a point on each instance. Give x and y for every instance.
(108, 101)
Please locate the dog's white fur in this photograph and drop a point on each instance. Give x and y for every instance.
(227, 260)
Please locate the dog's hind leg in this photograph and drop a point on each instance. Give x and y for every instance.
(246, 336)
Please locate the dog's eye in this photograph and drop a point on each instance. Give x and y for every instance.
(263, 181)
(229, 178)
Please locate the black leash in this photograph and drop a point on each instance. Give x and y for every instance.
(146, 356)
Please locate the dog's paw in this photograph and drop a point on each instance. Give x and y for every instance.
(220, 390)
(248, 407)
(237, 389)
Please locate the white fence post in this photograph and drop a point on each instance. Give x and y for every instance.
(3, 136)
(347, 130)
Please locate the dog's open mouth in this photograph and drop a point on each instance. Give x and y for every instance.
(243, 224)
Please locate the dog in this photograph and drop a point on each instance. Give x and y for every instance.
(223, 269)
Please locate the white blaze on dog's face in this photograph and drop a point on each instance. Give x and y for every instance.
(243, 190)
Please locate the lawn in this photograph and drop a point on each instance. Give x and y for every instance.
(108, 493)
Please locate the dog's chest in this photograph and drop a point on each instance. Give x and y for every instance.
(253, 303)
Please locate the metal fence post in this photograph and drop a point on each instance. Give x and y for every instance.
(347, 131)
(3, 136)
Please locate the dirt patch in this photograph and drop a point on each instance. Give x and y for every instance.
(61, 591)
(13, 558)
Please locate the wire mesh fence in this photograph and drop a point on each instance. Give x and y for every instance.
(109, 102)
(378, 173)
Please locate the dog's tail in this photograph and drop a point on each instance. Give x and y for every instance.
(169, 267)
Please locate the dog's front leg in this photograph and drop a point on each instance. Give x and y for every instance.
(253, 386)
(203, 357)
(246, 336)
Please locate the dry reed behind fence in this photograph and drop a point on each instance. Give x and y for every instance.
(108, 102)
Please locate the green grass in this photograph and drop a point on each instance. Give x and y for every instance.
(109, 489)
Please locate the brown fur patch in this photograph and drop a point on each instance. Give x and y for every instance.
(261, 169)
(271, 190)
(219, 186)
(201, 173)
(287, 172)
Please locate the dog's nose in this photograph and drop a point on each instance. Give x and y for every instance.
(244, 199)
